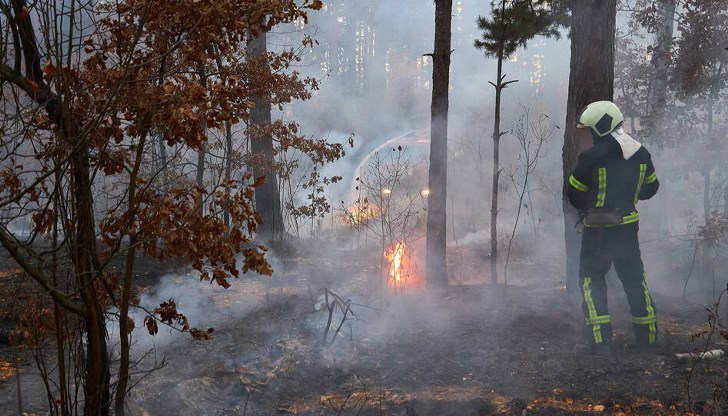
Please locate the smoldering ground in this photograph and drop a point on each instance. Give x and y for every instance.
(478, 349)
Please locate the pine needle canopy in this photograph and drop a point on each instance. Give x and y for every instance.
(515, 22)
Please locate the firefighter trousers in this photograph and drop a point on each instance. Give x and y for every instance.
(600, 248)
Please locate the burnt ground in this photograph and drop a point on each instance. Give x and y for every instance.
(476, 349)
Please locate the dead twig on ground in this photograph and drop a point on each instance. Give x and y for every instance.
(335, 303)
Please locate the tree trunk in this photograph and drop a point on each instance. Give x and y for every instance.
(661, 59)
(162, 157)
(707, 264)
(228, 152)
(81, 236)
(228, 164)
(96, 385)
(124, 328)
(267, 197)
(496, 172)
(436, 265)
(591, 79)
(64, 401)
(200, 180)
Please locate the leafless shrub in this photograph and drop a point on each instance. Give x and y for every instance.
(531, 135)
(713, 232)
(709, 237)
(389, 202)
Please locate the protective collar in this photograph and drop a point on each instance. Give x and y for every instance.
(629, 145)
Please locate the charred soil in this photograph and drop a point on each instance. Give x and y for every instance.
(474, 349)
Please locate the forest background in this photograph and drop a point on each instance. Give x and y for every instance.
(208, 135)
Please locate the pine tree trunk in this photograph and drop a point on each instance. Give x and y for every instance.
(707, 264)
(267, 197)
(496, 173)
(436, 202)
(591, 79)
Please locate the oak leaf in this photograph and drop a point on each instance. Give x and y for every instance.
(151, 325)
(200, 334)
(48, 69)
(316, 5)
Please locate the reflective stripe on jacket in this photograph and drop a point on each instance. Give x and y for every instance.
(603, 178)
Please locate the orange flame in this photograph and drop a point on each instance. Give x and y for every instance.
(396, 257)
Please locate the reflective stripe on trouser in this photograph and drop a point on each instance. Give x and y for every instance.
(645, 326)
(599, 323)
(601, 247)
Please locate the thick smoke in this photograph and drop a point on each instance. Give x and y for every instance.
(382, 102)
(388, 97)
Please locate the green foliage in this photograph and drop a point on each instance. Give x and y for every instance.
(514, 23)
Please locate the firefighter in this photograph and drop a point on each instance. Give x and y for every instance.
(609, 179)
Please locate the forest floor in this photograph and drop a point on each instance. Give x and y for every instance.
(475, 349)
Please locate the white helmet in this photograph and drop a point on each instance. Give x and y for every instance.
(603, 117)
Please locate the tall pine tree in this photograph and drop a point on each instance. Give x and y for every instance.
(512, 24)
(591, 78)
(437, 201)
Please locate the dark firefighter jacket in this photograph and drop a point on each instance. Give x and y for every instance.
(613, 176)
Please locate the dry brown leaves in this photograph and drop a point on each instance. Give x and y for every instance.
(181, 68)
(6, 370)
(626, 407)
(177, 69)
(167, 313)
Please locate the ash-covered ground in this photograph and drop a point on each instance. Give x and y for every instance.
(477, 349)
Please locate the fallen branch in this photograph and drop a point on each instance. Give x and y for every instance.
(332, 302)
(705, 355)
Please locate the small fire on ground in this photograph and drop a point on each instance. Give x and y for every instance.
(401, 268)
